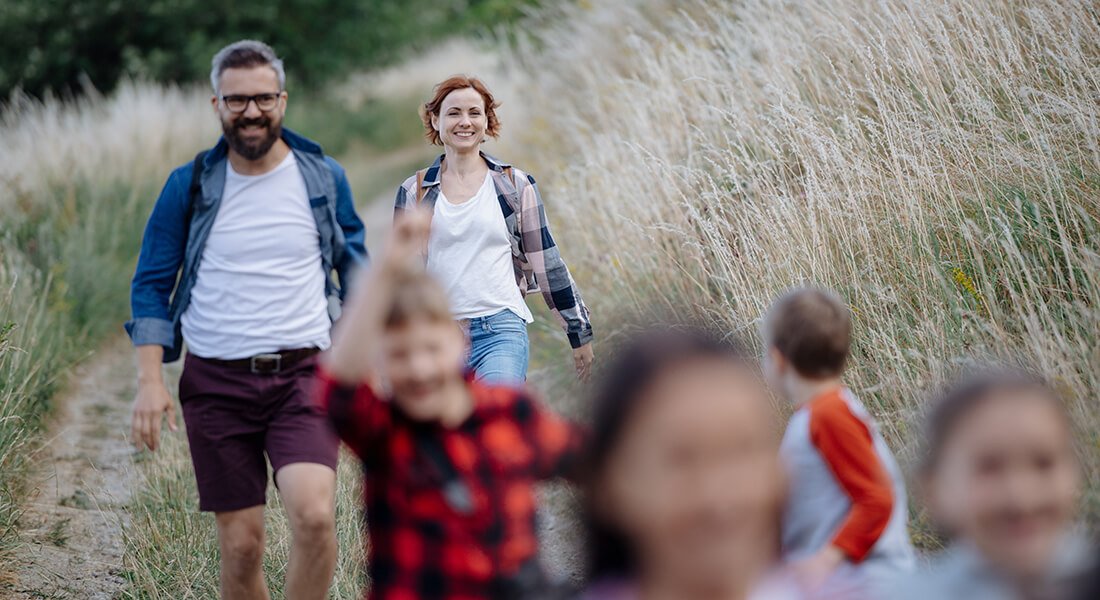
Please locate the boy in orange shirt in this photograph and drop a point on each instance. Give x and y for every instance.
(845, 521)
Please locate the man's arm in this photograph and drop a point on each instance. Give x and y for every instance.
(153, 399)
(150, 329)
(162, 249)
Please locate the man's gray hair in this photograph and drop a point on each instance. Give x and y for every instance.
(246, 54)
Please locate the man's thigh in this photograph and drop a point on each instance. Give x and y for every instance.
(299, 431)
(308, 491)
(225, 437)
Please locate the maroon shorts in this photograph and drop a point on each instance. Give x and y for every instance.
(234, 416)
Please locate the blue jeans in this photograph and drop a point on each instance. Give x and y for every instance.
(498, 348)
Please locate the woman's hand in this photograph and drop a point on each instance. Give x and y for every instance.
(582, 360)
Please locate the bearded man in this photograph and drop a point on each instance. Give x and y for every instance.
(237, 261)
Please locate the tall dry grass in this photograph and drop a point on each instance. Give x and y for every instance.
(76, 182)
(936, 162)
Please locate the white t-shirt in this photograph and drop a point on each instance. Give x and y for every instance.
(260, 286)
(470, 253)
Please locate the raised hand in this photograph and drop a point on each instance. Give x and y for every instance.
(408, 239)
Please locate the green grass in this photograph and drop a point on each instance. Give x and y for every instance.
(58, 534)
(60, 296)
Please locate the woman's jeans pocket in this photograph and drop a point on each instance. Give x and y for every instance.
(499, 349)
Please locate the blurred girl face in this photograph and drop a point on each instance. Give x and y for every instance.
(1007, 481)
(462, 121)
(694, 482)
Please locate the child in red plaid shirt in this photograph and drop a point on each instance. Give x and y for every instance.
(450, 464)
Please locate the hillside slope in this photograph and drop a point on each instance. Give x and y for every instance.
(935, 162)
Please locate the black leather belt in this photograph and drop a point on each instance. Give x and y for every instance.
(267, 364)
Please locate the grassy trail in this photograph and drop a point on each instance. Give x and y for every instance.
(72, 537)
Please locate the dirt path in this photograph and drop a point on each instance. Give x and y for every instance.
(72, 528)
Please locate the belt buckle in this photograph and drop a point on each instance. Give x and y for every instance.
(277, 358)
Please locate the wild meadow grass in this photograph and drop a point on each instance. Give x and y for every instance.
(937, 163)
(76, 182)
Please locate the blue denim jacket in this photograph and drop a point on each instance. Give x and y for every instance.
(158, 299)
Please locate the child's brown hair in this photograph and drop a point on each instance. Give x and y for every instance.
(417, 295)
(812, 329)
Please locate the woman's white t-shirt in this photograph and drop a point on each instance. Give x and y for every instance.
(470, 254)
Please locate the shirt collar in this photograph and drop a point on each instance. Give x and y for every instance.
(432, 177)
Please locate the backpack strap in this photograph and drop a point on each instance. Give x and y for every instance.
(195, 190)
(420, 185)
(455, 491)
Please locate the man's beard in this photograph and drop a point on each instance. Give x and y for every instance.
(252, 150)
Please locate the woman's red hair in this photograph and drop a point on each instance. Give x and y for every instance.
(444, 89)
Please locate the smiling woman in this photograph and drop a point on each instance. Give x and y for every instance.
(490, 243)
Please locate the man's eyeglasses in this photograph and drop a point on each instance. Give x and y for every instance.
(239, 104)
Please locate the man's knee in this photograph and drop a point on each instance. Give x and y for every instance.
(309, 494)
(242, 543)
(314, 519)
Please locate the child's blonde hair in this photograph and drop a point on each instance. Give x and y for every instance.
(417, 295)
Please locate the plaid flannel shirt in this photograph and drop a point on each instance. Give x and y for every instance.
(420, 547)
(538, 264)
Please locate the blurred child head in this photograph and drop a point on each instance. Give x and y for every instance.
(684, 476)
(807, 334)
(1000, 470)
(423, 347)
